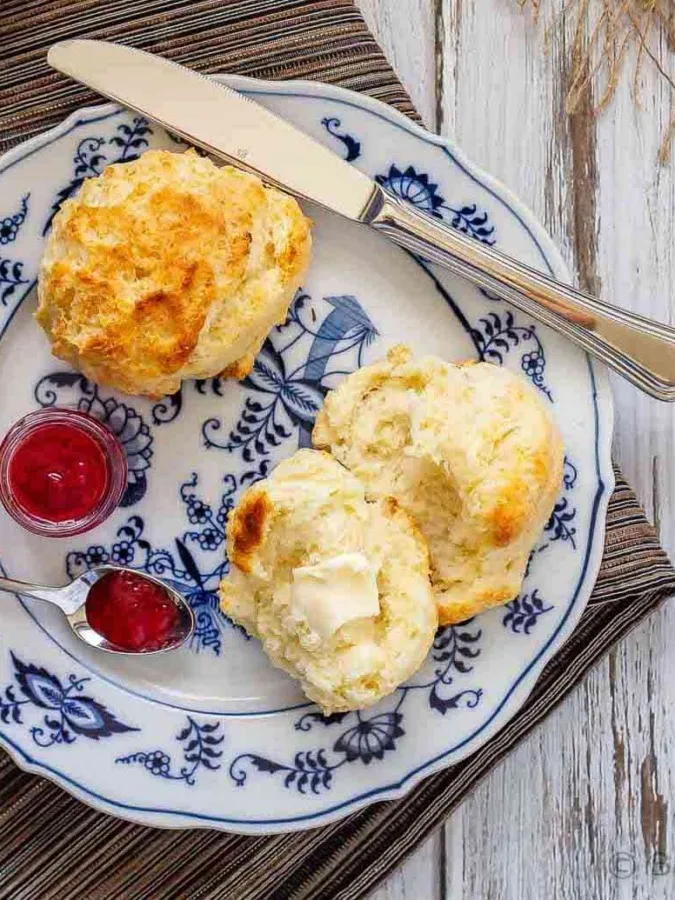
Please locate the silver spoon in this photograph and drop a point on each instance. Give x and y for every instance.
(71, 601)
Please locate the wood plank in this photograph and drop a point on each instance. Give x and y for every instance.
(594, 781)
(589, 793)
(406, 31)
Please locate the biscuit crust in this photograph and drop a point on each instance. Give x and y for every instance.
(168, 268)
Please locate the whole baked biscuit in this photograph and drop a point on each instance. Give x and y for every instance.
(311, 512)
(168, 268)
(471, 451)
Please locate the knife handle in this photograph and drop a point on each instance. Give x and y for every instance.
(640, 349)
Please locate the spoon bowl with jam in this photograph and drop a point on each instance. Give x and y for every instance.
(118, 610)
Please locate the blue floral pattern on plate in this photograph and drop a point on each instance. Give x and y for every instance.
(418, 189)
(284, 401)
(523, 613)
(11, 270)
(10, 224)
(11, 278)
(66, 712)
(369, 737)
(201, 750)
(497, 334)
(132, 738)
(352, 147)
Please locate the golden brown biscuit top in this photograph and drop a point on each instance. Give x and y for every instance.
(148, 254)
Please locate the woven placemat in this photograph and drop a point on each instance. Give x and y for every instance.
(51, 846)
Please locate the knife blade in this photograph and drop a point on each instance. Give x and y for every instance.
(229, 125)
(218, 119)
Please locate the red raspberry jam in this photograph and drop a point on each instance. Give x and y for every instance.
(61, 472)
(131, 612)
(58, 472)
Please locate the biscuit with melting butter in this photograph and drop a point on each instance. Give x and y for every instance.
(336, 588)
(470, 451)
(168, 268)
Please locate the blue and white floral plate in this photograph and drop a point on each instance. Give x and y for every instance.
(214, 736)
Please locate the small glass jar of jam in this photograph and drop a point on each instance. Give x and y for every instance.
(62, 472)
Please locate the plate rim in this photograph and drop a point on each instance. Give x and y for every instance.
(527, 679)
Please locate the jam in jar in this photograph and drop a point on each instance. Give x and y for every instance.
(62, 472)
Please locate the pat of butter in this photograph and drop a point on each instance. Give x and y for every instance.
(334, 592)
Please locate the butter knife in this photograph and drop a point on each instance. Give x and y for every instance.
(235, 128)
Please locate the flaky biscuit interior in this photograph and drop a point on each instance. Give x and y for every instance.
(470, 451)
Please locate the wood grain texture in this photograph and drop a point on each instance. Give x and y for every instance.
(585, 807)
(406, 33)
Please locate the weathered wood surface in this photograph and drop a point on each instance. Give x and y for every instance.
(584, 808)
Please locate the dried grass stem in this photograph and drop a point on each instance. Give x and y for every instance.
(604, 33)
